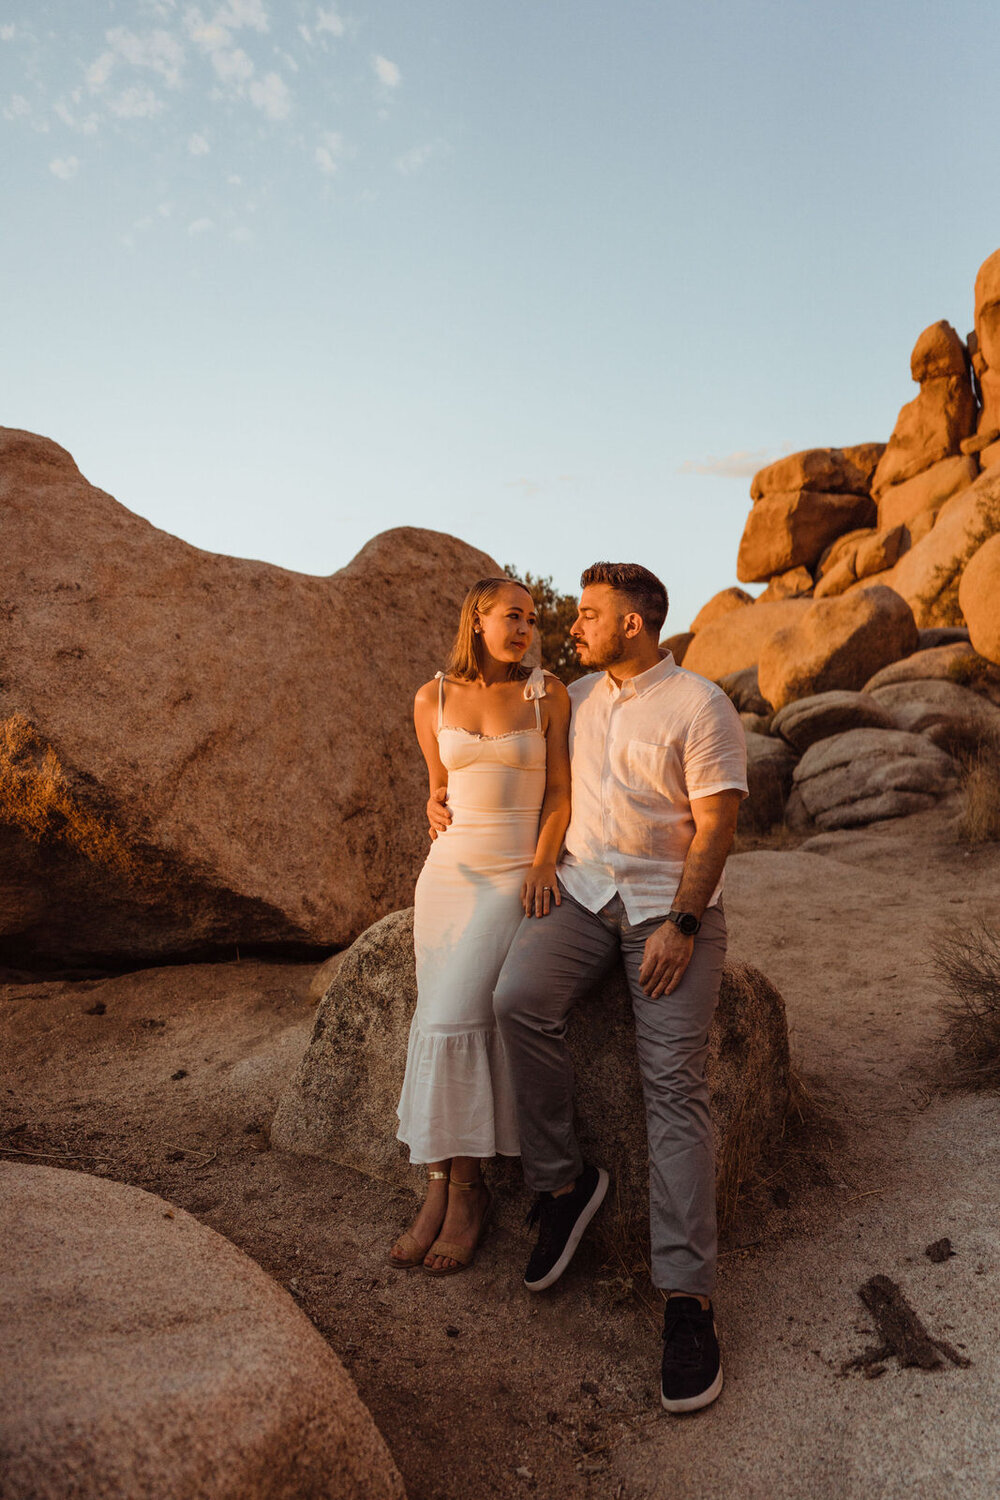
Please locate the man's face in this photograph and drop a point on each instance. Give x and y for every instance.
(598, 631)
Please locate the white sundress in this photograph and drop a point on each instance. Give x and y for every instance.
(458, 1097)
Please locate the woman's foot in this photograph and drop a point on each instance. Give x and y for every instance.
(468, 1203)
(413, 1244)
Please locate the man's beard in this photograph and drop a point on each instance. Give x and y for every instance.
(608, 654)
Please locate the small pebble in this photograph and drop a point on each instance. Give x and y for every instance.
(938, 1251)
(451, 1331)
(99, 1009)
(181, 1073)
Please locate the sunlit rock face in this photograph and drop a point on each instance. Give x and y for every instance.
(199, 753)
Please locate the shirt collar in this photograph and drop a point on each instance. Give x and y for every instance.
(664, 668)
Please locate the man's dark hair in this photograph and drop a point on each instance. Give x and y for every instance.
(645, 593)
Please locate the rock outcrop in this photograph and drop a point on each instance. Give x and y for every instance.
(929, 574)
(770, 764)
(342, 1103)
(720, 604)
(143, 1355)
(846, 471)
(934, 424)
(979, 597)
(820, 717)
(986, 355)
(836, 643)
(935, 661)
(792, 530)
(199, 752)
(954, 717)
(866, 775)
(736, 641)
(901, 504)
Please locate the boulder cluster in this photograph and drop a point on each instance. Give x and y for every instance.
(870, 660)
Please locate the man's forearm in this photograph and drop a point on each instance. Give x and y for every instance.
(703, 867)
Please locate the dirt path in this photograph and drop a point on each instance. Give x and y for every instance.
(481, 1389)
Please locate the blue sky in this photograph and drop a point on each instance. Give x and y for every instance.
(555, 277)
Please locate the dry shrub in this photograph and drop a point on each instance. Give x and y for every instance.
(975, 672)
(968, 964)
(980, 821)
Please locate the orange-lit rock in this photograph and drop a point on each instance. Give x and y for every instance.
(836, 643)
(933, 425)
(979, 598)
(792, 530)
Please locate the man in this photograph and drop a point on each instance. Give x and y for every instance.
(659, 770)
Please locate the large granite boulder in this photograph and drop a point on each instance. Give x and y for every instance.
(199, 752)
(954, 717)
(836, 643)
(934, 661)
(736, 641)
(342, 1102)
(929, 574)
(142, 1356)
(986, 354)
(866, 775)
(870, 553)
(770, 763)
(808, 720)
(743, 689)
(979, 598)
(845, 471)
(792, 530)
(900, 504)
(722, 603)
(933, 425)
(791, 585)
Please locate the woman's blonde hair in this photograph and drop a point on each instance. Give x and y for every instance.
(466, 659)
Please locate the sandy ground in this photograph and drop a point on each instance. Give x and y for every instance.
(168, 1078)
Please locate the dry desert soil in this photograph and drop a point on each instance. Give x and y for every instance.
(168, 1078)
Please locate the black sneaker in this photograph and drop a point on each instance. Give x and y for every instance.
(692, 1370)
(561, 1222)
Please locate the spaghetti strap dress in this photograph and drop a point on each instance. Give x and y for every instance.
(458, 1097)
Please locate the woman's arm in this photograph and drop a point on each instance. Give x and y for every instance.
(424, 721)
(540, 884)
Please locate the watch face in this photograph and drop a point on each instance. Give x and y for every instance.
(688, 924)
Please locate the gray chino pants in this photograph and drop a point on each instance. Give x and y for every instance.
(552, 963)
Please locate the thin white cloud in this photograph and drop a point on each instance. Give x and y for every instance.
(18, 107)
(271, 95)
(197, 145)
(330, 152)
(329, 21)
(241, 234)
(85, 124)
(743, 464)
(159, 51)
(100, 71)
(234, 179)
(237, 13)
(8, 32)
(411, 161)
(232, 67)
(136, 103)
(386, 72)
(64, 167)
(200, 226)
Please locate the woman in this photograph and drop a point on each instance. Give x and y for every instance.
(494, 736)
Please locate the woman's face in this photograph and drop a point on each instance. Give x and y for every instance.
(508, 626)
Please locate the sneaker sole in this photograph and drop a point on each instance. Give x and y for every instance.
(596, 1199)
(694, 1403)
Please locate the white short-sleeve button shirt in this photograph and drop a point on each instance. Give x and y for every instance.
(639, 754)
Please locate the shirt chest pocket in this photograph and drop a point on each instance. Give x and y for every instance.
(653, 770)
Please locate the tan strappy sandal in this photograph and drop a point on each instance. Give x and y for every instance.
(412, 1251)
(463, 1254)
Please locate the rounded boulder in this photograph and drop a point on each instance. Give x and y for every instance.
(144, 1357)
(979, 598)
(837, 643)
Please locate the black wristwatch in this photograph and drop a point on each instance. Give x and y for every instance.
(685, 921)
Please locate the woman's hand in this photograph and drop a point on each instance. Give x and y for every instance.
(540, 888)
(438, 814)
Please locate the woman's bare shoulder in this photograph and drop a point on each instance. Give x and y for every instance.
(427, 693)
(555, 688)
